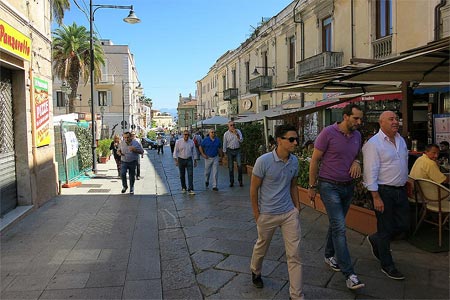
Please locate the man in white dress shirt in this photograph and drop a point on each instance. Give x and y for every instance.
(184, 155)
(232, 140)
(385, 175)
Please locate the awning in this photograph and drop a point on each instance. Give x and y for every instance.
(278, 112)
(426, 64)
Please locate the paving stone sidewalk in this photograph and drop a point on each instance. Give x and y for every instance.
(92, 242)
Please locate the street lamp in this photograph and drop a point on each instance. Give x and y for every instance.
(132, 19)
(256, 73)
(66, 90)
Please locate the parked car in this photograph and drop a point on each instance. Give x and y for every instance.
(148, 143)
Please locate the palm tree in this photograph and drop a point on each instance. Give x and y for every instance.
(58, 8)
(71, 57)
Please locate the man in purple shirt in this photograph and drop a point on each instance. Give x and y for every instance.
(337, 147)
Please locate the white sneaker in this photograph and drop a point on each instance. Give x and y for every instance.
(331, 261)
(191, 192)
(354, 283)
(183, 191)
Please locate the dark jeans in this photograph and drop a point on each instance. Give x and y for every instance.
(172, 147)
(337, 200)
(161, 148)
(188, 164)
(394, 220)
(131, 168)
(138, 169)
(234, 155)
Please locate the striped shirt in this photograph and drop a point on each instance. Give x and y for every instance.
(231, 140)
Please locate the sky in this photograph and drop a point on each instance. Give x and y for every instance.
(177, 41)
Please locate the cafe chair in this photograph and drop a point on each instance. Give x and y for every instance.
(414, 198)
(436, 200)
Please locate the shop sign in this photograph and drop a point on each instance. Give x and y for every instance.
(14, 42)
(42, 112)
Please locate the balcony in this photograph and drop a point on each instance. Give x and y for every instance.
(260, 84)
(106, 79)
(321, 62)
(382, 48)
(230, 94)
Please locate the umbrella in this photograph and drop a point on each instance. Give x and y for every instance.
(216, 120)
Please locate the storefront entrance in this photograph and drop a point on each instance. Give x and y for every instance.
(8, 185)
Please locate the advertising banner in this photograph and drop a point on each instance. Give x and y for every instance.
(42, 115)
(14, 42)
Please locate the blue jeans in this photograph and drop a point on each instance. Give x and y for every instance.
(131, 167)
(234, 154)
(337, 200)
(394, 220)
(184, 164)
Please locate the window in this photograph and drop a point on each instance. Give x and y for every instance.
(326, 34)
(60, 99)
(265, 63)
(224, 82)
(247, 72)
(102, 98)
(233, 78)
(384, 18)
(292, 52)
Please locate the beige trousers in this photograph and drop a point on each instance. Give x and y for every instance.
(290, 228)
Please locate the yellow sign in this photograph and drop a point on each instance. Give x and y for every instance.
(13, 41)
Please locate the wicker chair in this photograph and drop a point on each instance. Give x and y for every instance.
(436, 199)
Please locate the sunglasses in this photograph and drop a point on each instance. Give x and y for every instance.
(290, 139)
(231, 125)
(186, 134)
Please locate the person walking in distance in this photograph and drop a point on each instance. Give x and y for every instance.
(115, 147)
(184, 156)
(129, 151)
(211, 149)
(138, 164)
(232, 140)
(337, 147)
(275, 203)
(385, 176)
(172, 142)
(160, 143)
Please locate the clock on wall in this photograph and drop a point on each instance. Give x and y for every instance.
(247, 104)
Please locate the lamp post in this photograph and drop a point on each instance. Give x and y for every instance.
(256, 73)
(132, 19)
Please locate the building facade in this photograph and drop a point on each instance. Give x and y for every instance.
(119, 96)
(311, 37)
(27, 152)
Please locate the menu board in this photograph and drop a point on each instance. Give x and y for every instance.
(441, 124)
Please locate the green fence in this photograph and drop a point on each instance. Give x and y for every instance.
(77, 165)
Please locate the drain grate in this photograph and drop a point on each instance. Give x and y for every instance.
(90, 185)
(99, 190)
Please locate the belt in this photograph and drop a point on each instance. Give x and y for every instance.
(392, 186)
(233, 148)
(336, 182)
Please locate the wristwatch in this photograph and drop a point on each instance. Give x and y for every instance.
(312, 186)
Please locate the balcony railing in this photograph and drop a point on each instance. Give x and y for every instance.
(230, 94)
(260, 84)
(321, 62)
(382, 48)
(106, 79)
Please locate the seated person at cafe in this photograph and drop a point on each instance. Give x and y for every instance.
(445, 151)
(426, 166)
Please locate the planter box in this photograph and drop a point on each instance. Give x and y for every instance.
(358, 218)
(103, 160)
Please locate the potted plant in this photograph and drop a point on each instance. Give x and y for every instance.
(103, 151)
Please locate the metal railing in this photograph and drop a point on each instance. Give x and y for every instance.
(260, 84)
(320, 62)
(382, 48)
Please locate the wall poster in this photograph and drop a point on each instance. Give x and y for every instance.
(42, 112)
(441, 123)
